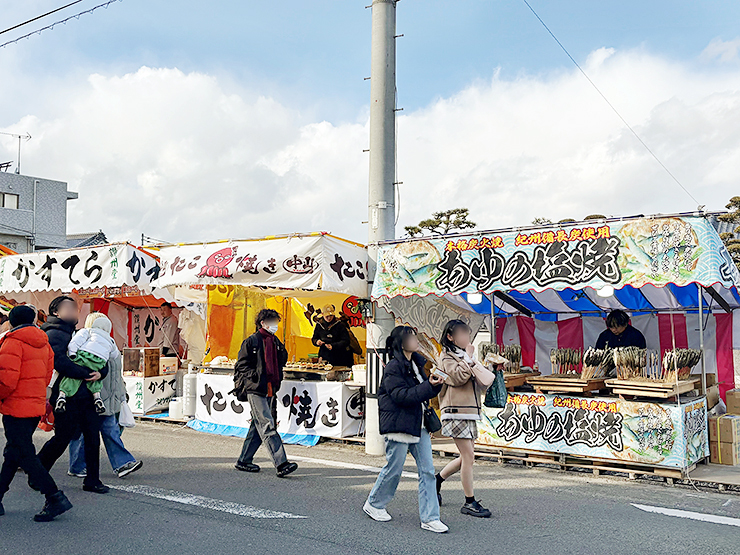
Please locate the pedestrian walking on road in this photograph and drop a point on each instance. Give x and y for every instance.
(258, 373)
(80, 414)
(26, 366)
(460, 406)
(113, 395)
(403, 393)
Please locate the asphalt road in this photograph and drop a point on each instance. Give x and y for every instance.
(534, 510)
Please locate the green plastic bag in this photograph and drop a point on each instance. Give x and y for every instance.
(496, 396)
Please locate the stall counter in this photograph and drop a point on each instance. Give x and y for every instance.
(658, 434)
(152, 394)
(325, 409)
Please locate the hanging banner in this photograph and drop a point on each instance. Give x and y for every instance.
(657, 251)
(147, 395)
(309, 262)
(669, 435)
(326, 409)
(104, 266)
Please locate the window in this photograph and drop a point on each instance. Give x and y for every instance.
(9, 200)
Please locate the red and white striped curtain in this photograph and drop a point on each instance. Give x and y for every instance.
(721, 338)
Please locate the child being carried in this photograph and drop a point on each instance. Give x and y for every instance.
(91, 347)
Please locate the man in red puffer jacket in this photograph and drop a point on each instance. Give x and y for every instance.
(26, 365)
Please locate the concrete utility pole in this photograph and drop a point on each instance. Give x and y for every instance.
(381, 193)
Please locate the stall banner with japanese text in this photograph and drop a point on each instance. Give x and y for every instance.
(658, 434)
(153, 394)
(107, 266)
(657, 251)
(326, 409)
(301, 262)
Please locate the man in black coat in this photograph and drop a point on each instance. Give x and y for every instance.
(257, 376)
(332, 338)
(80, 415)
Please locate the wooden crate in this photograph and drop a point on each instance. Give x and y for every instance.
(151, 362)
(565, 383)
(519, 379)
(659, 390)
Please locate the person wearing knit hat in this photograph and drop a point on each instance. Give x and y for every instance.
(22, 315)
(91, 347)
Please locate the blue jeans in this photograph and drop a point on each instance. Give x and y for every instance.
(118, 455)
(387, 482)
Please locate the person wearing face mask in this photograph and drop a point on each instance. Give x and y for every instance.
(258, 373)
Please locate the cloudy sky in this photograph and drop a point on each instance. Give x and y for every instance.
(193, 121)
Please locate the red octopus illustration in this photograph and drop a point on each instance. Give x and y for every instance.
(217, 262)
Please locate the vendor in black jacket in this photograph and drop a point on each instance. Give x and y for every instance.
(258, 373)
(331, 336)
(619, 332)
(404, 390)
(80, 415)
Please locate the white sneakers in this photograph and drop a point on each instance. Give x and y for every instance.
(381, 515)
(436, 526)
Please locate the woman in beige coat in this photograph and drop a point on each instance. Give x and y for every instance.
(460, 405)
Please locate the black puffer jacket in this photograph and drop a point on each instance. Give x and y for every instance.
(250, 376)
(400, 396)
(60, 334)
(335, 334)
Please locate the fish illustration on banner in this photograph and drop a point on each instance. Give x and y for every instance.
(658, 251)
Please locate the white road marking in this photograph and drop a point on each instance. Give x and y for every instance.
(727, 502)
(351, 466)
(690, 515)
(205, 502)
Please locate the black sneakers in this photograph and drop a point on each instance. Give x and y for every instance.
(286, 468)
(475, 509)
(249, 467)
(55, 505)
(97, 488)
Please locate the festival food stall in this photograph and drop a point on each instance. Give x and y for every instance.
(546, 291)
(114, 279)
(296, 275)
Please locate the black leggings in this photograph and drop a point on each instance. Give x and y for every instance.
(79, 417)
(20, 451)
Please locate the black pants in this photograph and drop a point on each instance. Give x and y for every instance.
(20, 451)
(80, 417)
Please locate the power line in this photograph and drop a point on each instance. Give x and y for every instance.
(40, 17)
(624, 121)
(49, 27)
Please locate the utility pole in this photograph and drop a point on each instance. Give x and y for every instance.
(381, 194)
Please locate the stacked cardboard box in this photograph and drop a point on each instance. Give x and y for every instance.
(733, 401)
(724, 439)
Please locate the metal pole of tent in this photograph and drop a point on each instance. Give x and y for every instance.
(493, 321)
(701, 341)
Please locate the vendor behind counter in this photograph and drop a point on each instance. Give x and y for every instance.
(620, 333)
(332, 338)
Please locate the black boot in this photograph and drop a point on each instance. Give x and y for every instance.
(56, 504)
(286, 468)
(473, 508)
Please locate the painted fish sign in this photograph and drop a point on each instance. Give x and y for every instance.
(656, 251)
(657, 434)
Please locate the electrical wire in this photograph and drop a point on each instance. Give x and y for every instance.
(40, 17)
(624, 121)
(49, 27)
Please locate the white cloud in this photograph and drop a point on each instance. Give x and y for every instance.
(722, 50)
(179, 157)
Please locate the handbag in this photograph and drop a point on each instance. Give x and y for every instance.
(497, 396)
(431, 421)
(126, 417)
